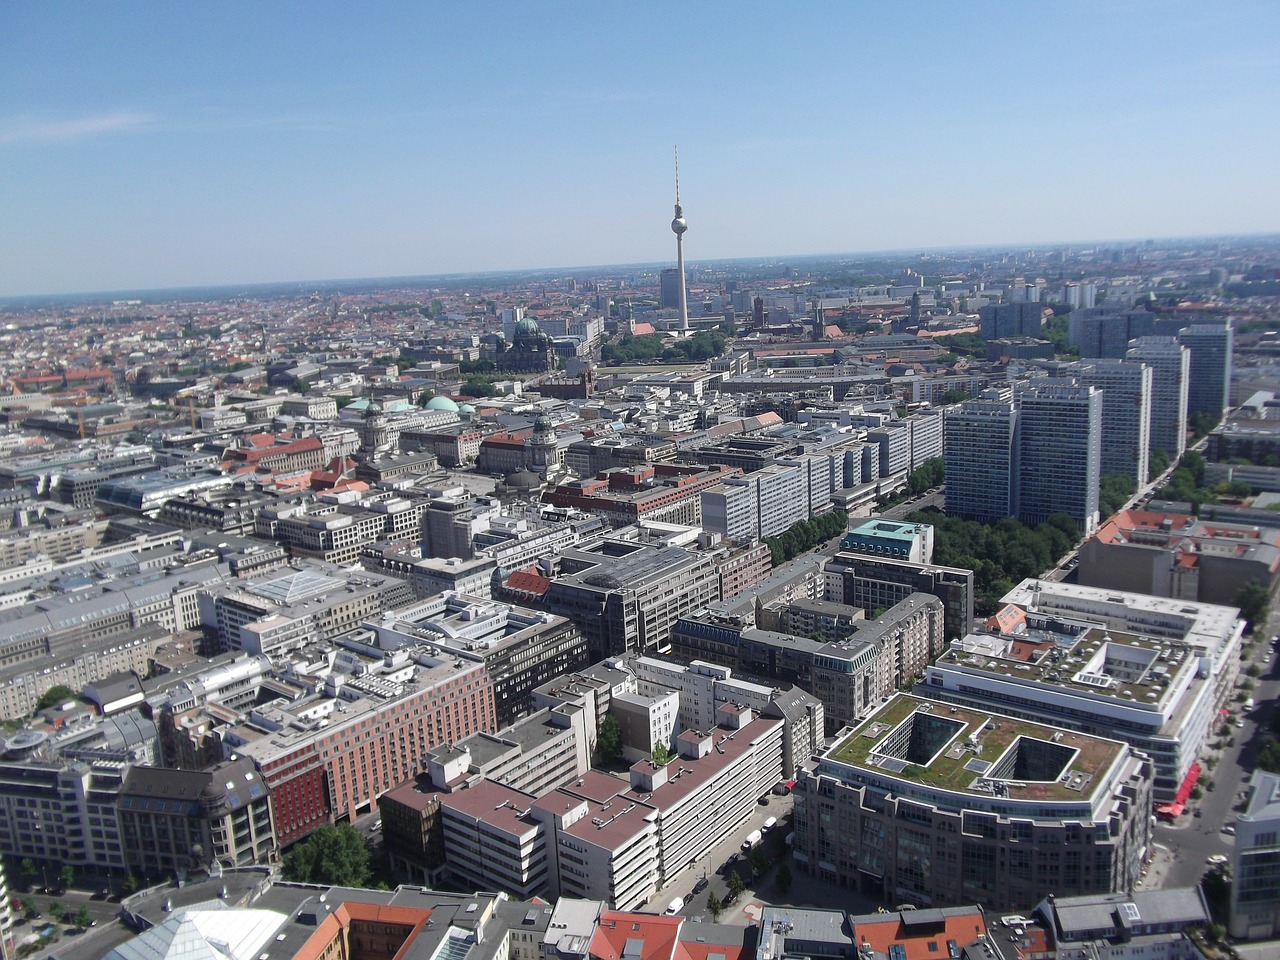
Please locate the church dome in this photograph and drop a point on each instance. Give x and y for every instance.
(527, 326)
(442, 403)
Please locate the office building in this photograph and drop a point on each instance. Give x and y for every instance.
(180, 821)
(1098, 681)
(879, 583)
(625, 597)
(1170, 363)
(1180, 556)
(934, 804)
(1104, 332)
(1255, 862)
(1141, 925)
(1001, 320)
(1209, 368)
(891, 540)
(1126, 415)
(669, 289)
(1059, 452)
(520, 648)
(981, 459)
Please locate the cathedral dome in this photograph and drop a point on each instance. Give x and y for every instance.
(527, 326)
(442, 403)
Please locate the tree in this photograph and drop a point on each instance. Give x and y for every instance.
(954, 396)
(68, 876)
(759, 861)
(83, 917)
(130, 884)
(1157, 464)
(54, 696)
(330, 855)
(29, 906)
(27, 867)
(661, 755)
(609, 740)
(58, 910)
(735, 883)
(783, 878)
(1254, 599)
(713, 906)
(1114, 492)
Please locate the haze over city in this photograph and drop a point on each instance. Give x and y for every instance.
(156, 146)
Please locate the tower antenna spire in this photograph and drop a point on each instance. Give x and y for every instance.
(677, 149)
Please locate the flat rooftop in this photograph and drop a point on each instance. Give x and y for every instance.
(973, 751)
(1205, 626)
(1099, 664)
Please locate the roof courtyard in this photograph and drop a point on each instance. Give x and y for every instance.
(974, 751)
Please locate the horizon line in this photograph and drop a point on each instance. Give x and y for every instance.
(479, 274)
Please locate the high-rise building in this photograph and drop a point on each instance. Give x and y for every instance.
(1126, 414)
(1104, 332)
(978, 440)
(1059, 453)
(1170, 364)
(669, 289)
(1027, 456)
(1021, 319)
(1209, 379)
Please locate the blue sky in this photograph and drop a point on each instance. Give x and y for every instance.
(169, 144)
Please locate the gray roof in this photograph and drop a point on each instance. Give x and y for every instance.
(1077, 918)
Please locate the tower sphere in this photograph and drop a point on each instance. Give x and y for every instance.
(678, 226)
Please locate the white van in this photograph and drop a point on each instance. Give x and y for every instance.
(675, 906)
(749, 844)
(1248, 705)
(769, 824)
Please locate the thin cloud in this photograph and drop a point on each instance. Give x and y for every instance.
(32, 129)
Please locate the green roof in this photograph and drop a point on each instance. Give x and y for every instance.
(953, 748)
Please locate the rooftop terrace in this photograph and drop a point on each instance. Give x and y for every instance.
(974, 751)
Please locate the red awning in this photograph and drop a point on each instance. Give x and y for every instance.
(1188, 784)
(1171, 810)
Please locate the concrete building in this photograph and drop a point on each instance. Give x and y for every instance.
(1209, 346)
(981, 459)
(1002, 320)
(848, 676)
(891, 540)
(1142, 925)
(1059, 450)
(876, 583)
(178, 821)
(1255, 862)
(1126, 415)
(1094, 680)
(625, 597)
(932, 804)
(1180, 556)
(520, 648)
(1170, 363)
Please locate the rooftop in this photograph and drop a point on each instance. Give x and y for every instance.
(976, 752)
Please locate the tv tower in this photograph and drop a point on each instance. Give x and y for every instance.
(678, 227)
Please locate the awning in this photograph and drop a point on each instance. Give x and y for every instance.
(1171, 810)
(1188, 784)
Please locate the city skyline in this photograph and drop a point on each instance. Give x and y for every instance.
(150, 148)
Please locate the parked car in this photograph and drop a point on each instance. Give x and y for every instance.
(769, 824)
(700, 885)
